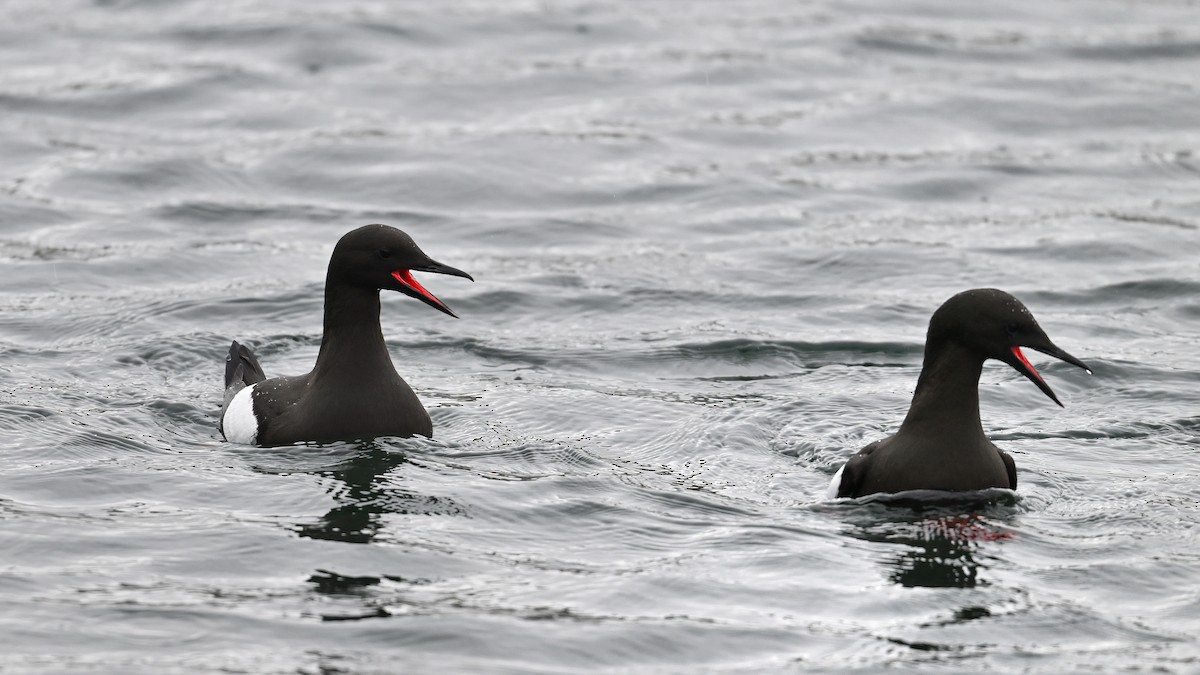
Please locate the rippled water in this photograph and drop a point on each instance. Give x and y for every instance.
(707, 237)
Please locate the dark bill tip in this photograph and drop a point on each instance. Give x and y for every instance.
(1059, 354)
(442, 307)
(438, 268)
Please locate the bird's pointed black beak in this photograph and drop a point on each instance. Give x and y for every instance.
(438, 268)
(1023, 366)
(410, 286)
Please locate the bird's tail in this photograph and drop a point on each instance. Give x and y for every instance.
(241, 370)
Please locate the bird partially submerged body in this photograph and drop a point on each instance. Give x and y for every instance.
(353, 391)
(941, 444)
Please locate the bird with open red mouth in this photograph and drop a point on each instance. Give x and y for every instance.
(353, 391)
(941, 444)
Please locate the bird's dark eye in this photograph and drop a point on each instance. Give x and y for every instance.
(1012, 327)
(384, 253)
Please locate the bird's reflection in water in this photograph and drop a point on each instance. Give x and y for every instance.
(944, 551)
(943, 546)
(363, 492)
(366, 484)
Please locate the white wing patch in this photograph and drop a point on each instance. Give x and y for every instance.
(239, 423)
(834, 485)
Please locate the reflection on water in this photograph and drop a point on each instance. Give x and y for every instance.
(363, 491)
(329, 583)
(367, 482)
(945, 549)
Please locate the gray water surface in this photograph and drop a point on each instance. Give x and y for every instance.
(707, 239)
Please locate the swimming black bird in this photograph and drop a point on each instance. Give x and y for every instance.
(941, 444)
(353, 391)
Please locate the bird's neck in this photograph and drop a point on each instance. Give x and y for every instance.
(353, 340)
(945, 403)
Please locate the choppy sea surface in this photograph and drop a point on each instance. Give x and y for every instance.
(707, 238)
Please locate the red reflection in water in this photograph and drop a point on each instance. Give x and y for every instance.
(968, 527)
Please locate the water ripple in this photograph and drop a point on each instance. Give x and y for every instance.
(707, 244)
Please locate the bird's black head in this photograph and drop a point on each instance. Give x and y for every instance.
(383, 258)
(995, 325)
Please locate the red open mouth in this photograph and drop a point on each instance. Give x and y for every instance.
(1017, 352)
(405, 277)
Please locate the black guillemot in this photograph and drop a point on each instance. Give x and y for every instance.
(353, 391)
(941, 444)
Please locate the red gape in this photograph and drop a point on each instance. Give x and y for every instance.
(1017, 350)
(405, 277)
